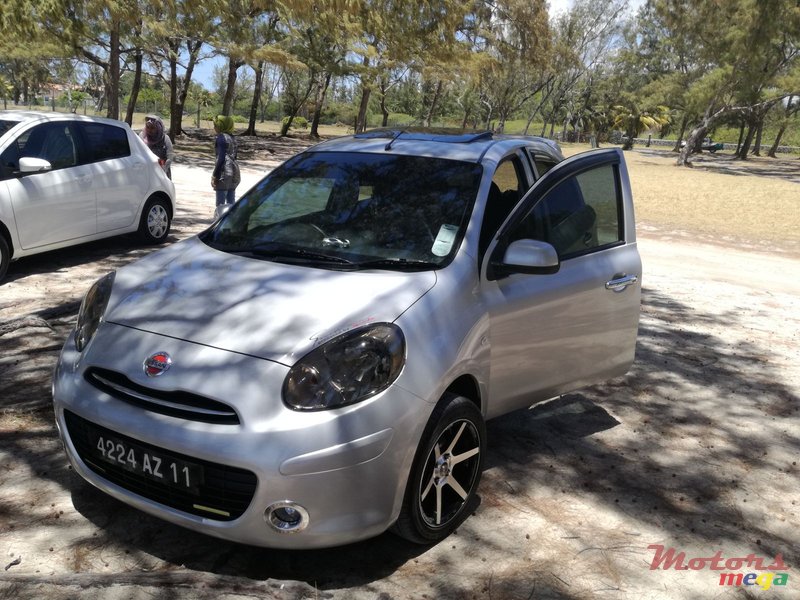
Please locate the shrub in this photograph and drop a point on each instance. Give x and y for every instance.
(297, 122)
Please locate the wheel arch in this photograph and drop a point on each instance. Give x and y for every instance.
(6, 234)
(161, 196)
(466, 385)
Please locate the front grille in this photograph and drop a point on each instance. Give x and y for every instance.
(224, 495)
(185, 405)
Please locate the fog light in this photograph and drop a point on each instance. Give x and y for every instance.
(286, 516)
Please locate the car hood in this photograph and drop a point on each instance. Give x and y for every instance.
(269, 310)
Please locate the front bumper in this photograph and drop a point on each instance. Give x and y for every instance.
(346, 467)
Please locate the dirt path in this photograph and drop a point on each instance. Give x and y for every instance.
(696, 449)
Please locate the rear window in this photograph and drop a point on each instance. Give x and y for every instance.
(105, 142)
(5, 125)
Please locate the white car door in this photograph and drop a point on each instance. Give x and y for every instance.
(56, 205)
(121, 175)
(552, 332)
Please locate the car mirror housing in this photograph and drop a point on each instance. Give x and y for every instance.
(29, 164)
(525, 256)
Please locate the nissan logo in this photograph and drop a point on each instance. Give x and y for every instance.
(156, 364)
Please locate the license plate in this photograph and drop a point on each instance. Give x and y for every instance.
(157, 465)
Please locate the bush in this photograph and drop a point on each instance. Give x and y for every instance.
(297, 122)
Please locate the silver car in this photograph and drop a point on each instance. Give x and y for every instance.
(317, 366)
(67, 179)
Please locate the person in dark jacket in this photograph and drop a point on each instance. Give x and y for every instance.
(226, 174)
(158, 142)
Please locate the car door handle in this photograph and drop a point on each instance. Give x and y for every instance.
(620, 282)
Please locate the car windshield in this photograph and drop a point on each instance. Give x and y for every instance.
(347, 210)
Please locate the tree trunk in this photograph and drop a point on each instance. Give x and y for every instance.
(180, 91)
(298, 104)
(530, 120)
(741, 137)
(684, 123)
(173, 90)
(748, 141)
(257, 89)
(466, 119)
(759, 132)
(698, 133)
(230, 89)
(112, 111)
(774, 149)
(434, 102)
(318, 107)
(361, 119)
(137, 83)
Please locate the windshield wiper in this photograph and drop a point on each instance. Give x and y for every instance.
(401, 264)
(295, 253)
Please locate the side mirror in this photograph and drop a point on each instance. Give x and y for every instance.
(525, 256)
(29, 164)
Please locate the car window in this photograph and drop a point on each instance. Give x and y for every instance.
(5, 125)
(504, 193)
(104, 141)
(361, 207)
(579, 214)
(55, 143)
(9, 159)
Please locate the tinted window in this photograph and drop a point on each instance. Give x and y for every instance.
(358, 207)
(6, 125)
(54, 142)
(506, 190)
(579, 214)
(104, 141)
(9, 160)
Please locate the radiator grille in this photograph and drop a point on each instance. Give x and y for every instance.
(185, 405)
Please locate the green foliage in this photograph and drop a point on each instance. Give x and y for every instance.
(297, 123)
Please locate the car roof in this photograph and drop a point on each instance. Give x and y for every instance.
(36, 115)
(470, 146)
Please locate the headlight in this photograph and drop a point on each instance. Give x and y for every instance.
(347, 369)
(92, 310)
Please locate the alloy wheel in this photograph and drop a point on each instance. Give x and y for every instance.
(450, 473)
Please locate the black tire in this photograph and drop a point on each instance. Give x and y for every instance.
(5, 257)
(440, 491)
(155, 222)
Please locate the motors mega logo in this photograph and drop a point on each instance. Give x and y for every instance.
(717, 562)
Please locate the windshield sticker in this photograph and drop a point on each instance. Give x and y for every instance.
(444, 240)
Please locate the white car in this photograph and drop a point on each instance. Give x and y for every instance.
(67, 179)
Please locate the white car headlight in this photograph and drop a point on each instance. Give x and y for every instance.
(347, 369)
(92, 310)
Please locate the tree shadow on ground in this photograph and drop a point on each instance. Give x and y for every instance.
(785, 168)
(673, 446)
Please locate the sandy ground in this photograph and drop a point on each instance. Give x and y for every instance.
(696, 448)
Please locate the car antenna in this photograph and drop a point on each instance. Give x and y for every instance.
(397, 134)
